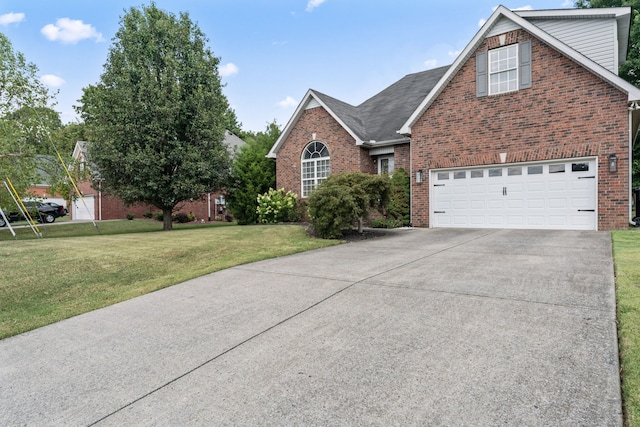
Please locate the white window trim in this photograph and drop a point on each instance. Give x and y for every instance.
(315, 179)
(491, 73)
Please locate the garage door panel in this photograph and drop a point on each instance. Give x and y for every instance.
(556, 195)
(537, 203)
(557, 203)
(460, 204)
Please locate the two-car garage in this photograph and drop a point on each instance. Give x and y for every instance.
(552, 195)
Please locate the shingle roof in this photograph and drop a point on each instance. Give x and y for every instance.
(379, 117)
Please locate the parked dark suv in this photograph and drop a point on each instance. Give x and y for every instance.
(42, 212)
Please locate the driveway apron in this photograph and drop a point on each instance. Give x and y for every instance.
(419, 327)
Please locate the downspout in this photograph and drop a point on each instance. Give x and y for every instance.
(632, 108)
(630, 179)
(100, 200)
(410, 183)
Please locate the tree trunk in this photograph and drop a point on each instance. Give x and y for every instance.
(167, 219)
(360, 228)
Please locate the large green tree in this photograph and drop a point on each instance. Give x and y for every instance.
(22, 100)
(253, 173)
(158, 113)
(630, 70)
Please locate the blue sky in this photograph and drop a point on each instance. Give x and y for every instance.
(271, 51)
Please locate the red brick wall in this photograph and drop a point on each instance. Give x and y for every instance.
(345, 155)
(109, 207)
(568, 112)
(401, 157)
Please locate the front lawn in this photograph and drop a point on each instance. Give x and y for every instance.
(626, 252)
(50, 279)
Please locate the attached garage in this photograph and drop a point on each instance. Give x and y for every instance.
(80, 211)
(555, 195)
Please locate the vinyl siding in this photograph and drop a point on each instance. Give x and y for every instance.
(594, 38)
(502, 26)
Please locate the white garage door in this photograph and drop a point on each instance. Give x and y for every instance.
(80, 211)
(559, 195)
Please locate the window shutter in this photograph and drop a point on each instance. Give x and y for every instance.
(525, 64)
(481, 74)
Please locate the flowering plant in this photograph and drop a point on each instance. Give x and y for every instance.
(277, 206)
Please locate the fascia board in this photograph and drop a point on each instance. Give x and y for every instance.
(595, 68)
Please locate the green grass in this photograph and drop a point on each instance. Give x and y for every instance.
(626, 252)
(50, 279)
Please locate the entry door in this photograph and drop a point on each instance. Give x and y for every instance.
(559, 195)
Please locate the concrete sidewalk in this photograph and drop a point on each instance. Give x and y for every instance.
(420, 327)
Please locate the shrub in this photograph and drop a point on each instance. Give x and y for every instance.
(147, 215)
(277, 206)
(181, 217)
(158, 216)
(386, 222)
(191, 216)
(333, 208)
(400, 198)
(341, 200)
(130, 216)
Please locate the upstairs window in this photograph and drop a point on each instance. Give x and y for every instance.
(316, 166)
(503, 69)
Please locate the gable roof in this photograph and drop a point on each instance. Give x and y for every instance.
(376, 120)
(502, 12)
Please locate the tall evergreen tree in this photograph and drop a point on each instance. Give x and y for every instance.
(158, 113)
(253, 173)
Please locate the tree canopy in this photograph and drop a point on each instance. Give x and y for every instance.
(158, 114)
(23, 99)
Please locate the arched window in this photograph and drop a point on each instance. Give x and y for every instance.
(315, 166)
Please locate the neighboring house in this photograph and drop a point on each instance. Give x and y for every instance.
(99, 205)
(530, 127)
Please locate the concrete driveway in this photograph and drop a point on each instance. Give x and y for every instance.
(420, 327)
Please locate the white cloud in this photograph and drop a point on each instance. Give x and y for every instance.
(523, 8)
(11, 18)
(279, 43)
(287, 102)
(313, 4)
(228, 70)
(52, 81)
(481, 22)
(70, 31)
(431, 63)
(567, 3)
(454, 53)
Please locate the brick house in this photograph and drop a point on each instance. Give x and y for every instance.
(103, 206)
(530, 127)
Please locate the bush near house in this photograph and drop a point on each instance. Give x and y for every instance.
(399, 199)
(277, 206)
(343, 199)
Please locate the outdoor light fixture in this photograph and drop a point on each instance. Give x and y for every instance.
(613, 163)
(419, 176)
